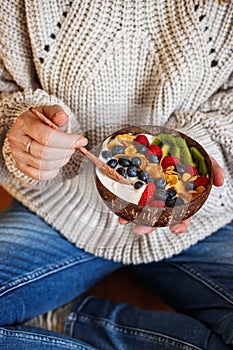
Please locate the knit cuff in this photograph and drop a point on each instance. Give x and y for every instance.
(10, 109)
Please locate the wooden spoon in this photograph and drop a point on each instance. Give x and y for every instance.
(104, 168)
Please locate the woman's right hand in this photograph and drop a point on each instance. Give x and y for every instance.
(49, 150)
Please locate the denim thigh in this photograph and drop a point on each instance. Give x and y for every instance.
(198, 282)
(39, 269)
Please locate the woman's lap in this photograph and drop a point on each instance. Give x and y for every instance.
(39, 270)
(198, 282)
(110, 326)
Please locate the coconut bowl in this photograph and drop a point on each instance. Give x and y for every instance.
(147, 215)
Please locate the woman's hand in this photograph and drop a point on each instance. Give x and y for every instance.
(218, 179)
(40, 151)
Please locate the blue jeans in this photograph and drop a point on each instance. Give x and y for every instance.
(40, 270)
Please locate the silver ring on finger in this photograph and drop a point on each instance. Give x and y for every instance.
(28, 147)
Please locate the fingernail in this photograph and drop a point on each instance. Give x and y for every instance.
(63, 116)
(175, 230)
(123, 221)
(81, 141)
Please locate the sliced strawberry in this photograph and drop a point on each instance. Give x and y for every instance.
(169, 161)
(147, 194)
(201, 181)
(155, 150)
(157, 204)
(191, 170)
(142, 139)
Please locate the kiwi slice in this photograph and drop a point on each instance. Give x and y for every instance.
(166, 150)
(156, 141)
(175, 151)
(168, 144)
(164, 138)
(199, 160)
(185, 155)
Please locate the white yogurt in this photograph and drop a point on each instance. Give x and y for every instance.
(126, 192)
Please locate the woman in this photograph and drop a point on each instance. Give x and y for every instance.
(92, 67)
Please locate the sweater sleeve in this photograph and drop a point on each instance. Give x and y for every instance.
(21, 89)
(13, 102)
(212, 127)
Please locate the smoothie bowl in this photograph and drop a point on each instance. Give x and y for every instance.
(170, 175)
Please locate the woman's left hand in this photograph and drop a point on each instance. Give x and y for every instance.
(218, 180)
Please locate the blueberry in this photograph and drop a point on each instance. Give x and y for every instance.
(180, 168)
(154, 158)
(106, 155)
(136, 161)
(160, 183)
(112, 163)
(143, 175)
(142, 149)
(138, 185)
(125, 162)
(171, 193)
(189, 186)
(122, 172)
(132, 171)
(118, 149)
(161, 195)
(170, 202)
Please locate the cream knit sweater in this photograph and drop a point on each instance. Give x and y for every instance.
(111, 63)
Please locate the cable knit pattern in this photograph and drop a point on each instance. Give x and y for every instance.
(111, 63)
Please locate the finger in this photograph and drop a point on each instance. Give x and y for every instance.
(16, 136)
(18, 141)
(61, 120)
(123, 221)
(36, 174)
(140, 229)
(50, 153)
(55, 113)
(39, 151)
(180, 228)
(218, 173)
(28, 125)
(47, 136)
(38, 163)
